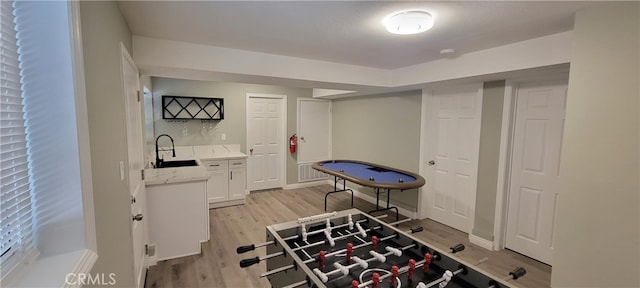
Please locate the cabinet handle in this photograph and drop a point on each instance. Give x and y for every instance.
(231, 175)
(215, 165)
(237, 163)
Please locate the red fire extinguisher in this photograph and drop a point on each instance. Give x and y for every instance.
(293, 141)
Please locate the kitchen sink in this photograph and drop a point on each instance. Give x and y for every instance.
(177, 163)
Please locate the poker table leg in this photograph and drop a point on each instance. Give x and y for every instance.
(335, 190)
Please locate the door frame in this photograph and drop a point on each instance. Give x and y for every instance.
(427, 148)
(505, 156)
(283, 129)
(139, 276)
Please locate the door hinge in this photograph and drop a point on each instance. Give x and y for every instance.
(142, 174)
(138, 95)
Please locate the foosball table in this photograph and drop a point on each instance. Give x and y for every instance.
(351, 249)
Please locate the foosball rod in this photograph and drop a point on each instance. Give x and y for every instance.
(322, 230)
(251, 247)
(444, 277)
(250, 261)
(419, 264)
(297, 284)
(350, 223)
(401, 271)
(277, 270)
(513, 275)
(354, 233)
(448, 276)
(345, 269)
(345, 250)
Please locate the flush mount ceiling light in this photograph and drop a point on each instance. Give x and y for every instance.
(408, 22)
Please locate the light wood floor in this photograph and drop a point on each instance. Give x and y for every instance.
(218, 264)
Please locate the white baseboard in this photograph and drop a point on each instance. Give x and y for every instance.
(304, 184)
(370, 199)
(225, 203)
(481, 242)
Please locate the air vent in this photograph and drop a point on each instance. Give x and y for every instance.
(306, 173)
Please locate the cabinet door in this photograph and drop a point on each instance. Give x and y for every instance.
(218, 186)
(170, 206)
(237, 183)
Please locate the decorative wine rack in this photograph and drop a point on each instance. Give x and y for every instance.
(184, 108)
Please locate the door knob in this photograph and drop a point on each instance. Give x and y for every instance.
(133, 199)
(431, 163)
(251, 150)
(137, 217)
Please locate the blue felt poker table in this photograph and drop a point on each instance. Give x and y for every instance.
(380, 178)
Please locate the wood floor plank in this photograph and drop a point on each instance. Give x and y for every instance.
(230, 227)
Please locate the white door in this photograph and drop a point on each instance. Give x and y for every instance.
(314, 130)
(533, 189)
(135, 165)
(455, 144)
(265, 141)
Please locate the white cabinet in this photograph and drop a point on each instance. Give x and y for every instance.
(227, 183)
(178, 218)
(237, 179)
(217, 184)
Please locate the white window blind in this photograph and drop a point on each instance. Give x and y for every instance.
(16, 233)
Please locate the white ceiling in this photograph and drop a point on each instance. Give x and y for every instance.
(348, 32)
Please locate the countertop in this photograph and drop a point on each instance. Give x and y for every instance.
(194, 173)
(175, 175)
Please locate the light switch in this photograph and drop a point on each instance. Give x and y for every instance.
(121, 171)
(223, 136)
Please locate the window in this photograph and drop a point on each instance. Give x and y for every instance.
(16, 234)
(43, 145)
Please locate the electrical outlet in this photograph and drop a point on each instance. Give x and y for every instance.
(223, 136)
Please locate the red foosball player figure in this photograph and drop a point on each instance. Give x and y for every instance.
(349, 252)
(374, 243)
(427, 262)
(354, 284)
(321, 257)
(375, 279)
(394, 276)
(412, 267)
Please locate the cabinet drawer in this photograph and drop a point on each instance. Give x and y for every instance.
(215, 164)
(237, 163)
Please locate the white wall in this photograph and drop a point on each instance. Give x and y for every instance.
(491, 126)
(103, 28)
(234, 123)
(383, 129)
(597, 232)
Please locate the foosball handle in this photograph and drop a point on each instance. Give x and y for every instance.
(247, 248)
(517, 273)
(416, 230)
(248, 262)
(457, 248)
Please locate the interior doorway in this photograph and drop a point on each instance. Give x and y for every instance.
(535, 160)
(452, 148)
(266, 126)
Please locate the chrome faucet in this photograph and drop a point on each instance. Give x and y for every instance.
(173, 149)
